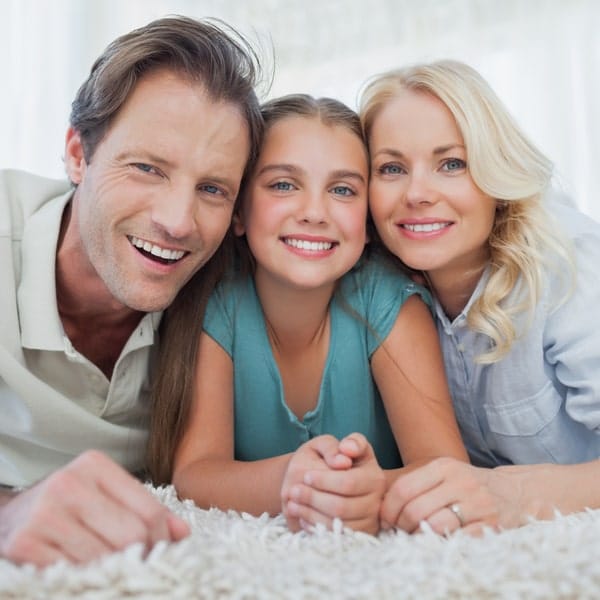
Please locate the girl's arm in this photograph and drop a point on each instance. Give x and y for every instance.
(205, 469)
(409, 372)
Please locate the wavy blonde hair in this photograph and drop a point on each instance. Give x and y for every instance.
(506, 166)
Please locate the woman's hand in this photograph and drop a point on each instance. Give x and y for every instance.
(449, 494)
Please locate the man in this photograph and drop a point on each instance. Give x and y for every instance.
(160, 135)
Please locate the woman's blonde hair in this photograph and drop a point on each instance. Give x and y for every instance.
(506, 166)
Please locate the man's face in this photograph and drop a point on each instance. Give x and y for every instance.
(156, 198)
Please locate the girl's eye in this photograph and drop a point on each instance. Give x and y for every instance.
(391, 169)
(454, 164)
(342, 190)
(282, 186)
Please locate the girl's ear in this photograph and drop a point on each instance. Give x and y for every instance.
(74, 159)
(238, 224)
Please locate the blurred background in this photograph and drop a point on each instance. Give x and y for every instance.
(541, 56)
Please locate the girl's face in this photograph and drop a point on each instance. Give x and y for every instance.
(426, 207)
(305, 210)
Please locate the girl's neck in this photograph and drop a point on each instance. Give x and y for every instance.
(298, 328)
(295, 317)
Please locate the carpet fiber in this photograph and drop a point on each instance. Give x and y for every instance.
(230, 555)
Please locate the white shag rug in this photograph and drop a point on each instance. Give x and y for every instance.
(238, 556)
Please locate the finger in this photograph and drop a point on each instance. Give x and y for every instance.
(328, 448)
(355, 446)
(352, 482)
(335, 505)
(135, 514)
(443, 521)
(308, 517)
(178, 528)
(405, 490)
(47, 530)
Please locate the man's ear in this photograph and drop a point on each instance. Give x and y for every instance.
(237, 224)
(74, 159)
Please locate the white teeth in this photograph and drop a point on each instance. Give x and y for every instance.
(156, 250)
(306, 245)
(424, 227)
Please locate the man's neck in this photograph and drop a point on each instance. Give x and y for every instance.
(97, 324)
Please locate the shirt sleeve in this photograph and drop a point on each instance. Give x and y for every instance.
(572, 336)
(219, 315)
(381, 290)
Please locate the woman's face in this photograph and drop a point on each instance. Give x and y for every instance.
(425, 205)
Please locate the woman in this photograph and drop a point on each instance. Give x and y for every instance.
(459, 194)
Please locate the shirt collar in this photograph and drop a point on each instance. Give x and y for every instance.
(41, 327)
(461, 319)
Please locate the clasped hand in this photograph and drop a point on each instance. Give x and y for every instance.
(328, 479)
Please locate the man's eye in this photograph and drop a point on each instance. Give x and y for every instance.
(145, 168)
(211, 189)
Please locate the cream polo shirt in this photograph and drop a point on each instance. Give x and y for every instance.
(54, 402)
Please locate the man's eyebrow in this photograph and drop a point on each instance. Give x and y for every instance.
(143, 155)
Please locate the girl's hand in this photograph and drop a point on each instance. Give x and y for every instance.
(352, 495)
(317, 455)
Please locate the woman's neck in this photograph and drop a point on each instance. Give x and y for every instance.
(453, 290)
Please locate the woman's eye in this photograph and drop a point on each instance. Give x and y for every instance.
(282, 186)
(390, 169)
(342, 190)
(454, 164)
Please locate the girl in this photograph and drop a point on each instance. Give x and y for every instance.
(292, 336)
(458, 193)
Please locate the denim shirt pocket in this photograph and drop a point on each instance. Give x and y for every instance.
(526, 416)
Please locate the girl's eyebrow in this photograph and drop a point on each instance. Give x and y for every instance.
(279, 167)
(344, 174)
(293, 169)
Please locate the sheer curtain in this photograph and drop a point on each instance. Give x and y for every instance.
(542, 57)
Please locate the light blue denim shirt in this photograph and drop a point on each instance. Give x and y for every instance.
(541, 402)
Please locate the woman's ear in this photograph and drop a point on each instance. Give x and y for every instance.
(238, 224)
(74, 157)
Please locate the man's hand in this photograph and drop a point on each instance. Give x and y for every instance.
(87, 509)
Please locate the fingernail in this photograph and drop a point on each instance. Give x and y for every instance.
(295, 492)
(293, 508)
(306, 526)
(308, 478)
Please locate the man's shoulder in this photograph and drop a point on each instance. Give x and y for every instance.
(22, 194)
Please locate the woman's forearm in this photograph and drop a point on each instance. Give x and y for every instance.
(541, 490)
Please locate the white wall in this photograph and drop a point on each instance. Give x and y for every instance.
(542, 56)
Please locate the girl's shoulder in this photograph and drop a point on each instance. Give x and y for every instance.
(376, 275)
